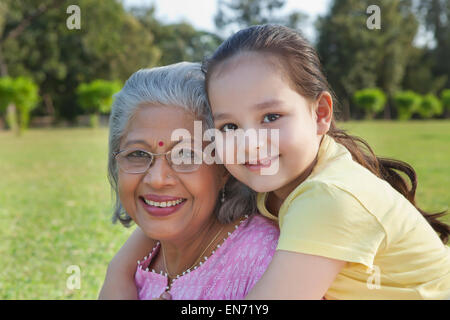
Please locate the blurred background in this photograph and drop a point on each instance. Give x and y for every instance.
(60, 65)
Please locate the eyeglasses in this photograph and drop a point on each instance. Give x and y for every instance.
(180, 159)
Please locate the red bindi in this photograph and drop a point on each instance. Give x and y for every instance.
(160, 143)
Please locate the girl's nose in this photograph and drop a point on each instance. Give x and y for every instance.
(255, 142)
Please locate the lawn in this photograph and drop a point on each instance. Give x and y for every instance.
(423, 144)
(55, 201)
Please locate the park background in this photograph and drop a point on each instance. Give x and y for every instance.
(56, 87)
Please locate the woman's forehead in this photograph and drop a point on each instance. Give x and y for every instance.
(160, 125)
(161, 119)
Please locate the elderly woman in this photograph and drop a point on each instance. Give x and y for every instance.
(208, 243)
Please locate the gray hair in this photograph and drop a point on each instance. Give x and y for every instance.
(182, 85)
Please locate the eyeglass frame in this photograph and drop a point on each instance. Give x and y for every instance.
(153, 155)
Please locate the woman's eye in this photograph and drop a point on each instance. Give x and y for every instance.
(138, 154)
(271, 117)
(228, 127)
(185, 153)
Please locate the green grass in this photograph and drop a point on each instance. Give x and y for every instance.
(55, 206)
(423, 144)
(55, 201)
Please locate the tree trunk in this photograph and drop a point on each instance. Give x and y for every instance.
(344, 114)
(48, 101)
(3, 65)
(11, 118)
(387, 109)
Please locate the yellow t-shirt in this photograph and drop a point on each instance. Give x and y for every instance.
(343, 211)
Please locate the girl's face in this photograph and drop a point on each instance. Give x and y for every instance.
(150, 130)
(251, 91)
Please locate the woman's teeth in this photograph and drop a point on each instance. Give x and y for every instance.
(164, 204)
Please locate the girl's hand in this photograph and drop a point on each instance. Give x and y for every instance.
(119, 281)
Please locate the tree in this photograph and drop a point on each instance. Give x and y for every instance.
(96, 98)
(238, 14)
(419, 76)
(177, 41)
(111, 44)
(355, 57)
(436, 17)
(25, 16)
(371, 100)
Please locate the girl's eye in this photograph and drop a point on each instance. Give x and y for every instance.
(228, 127)
(271, 117)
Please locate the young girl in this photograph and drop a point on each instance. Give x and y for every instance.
(349, 226)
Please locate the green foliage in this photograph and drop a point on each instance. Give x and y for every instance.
(371, 100)
(178, 41)
(406, 103)
(111, 44)
(445, 96)
(115, 41)
(244, 13)
(6, 93)
(355, 57)
(96, 97)
(430, 106)
(419, 76)
(22, 94)
(436, 17)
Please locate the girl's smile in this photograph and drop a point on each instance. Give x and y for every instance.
(261, 164)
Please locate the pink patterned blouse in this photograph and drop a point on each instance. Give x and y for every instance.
(228, 274)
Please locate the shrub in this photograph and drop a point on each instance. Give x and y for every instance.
(430, 106)
(19, 96)
(96, 98)
(371, 100)
(406, 103)
(446, 100)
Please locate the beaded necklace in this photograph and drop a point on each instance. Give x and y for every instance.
(196, 263)
(196, 260)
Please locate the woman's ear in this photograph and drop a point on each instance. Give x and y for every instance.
(324, 112)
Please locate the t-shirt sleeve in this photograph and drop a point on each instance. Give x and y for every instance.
(327, 221)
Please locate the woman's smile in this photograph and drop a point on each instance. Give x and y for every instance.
(159, 206)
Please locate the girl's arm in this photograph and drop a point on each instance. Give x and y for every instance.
(296, 276)
(119, 281)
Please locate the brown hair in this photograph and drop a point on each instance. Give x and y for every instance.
(303, 66)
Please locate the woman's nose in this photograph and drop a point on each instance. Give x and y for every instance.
(160, 174)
